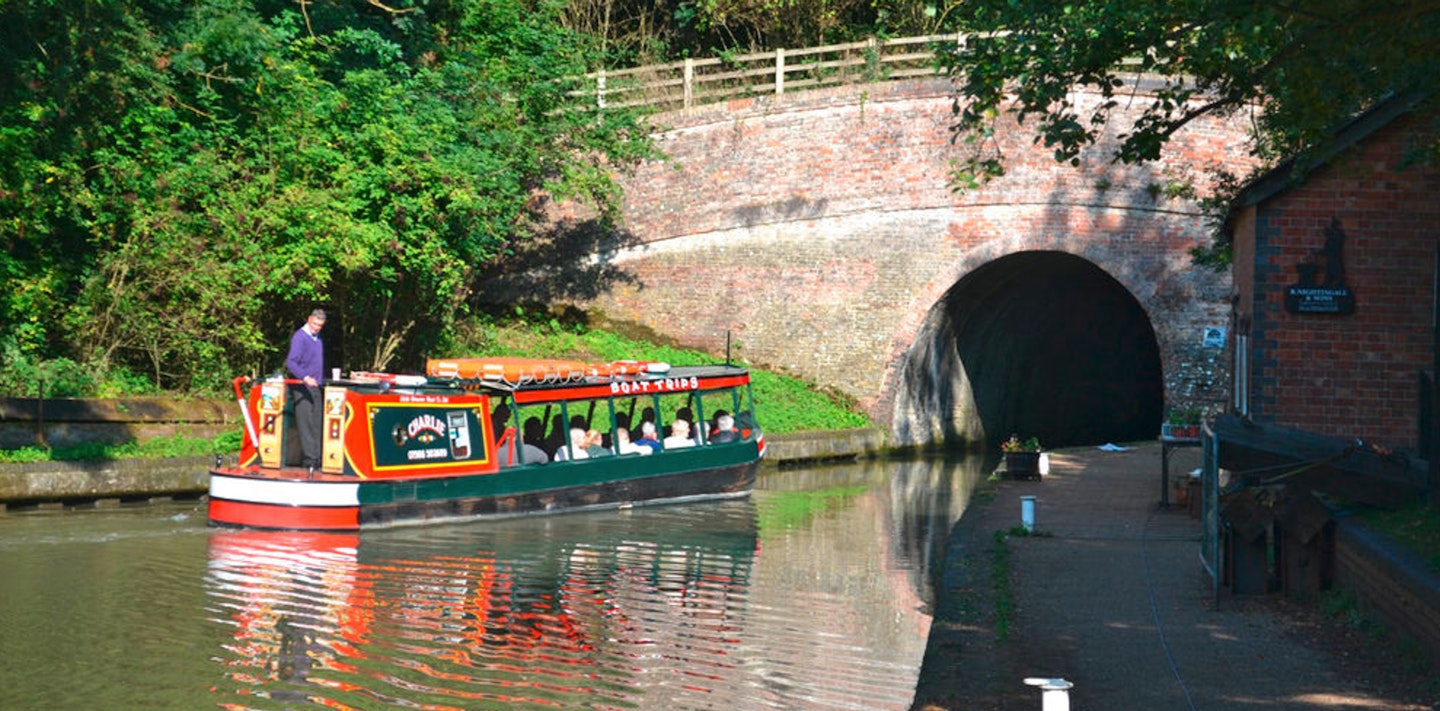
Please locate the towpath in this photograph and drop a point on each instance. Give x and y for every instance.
(1112, 597)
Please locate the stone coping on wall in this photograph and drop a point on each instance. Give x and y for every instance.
(90, 480)
(800, 447)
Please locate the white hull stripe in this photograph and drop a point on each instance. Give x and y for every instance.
(285, 493)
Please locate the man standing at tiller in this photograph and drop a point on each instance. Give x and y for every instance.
(306, 363)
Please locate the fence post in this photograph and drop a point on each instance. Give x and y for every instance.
(689, 81)
(600, 89)
(1054, 693)
(779, 71)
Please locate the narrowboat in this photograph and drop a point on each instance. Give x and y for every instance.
(487, 438)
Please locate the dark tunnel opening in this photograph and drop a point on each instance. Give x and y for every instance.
(1042, 344)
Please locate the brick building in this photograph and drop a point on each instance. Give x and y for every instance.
(1336, 265)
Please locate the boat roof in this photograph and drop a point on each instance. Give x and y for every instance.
(678, 372)
(675, 379)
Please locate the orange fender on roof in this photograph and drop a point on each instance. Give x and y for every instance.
(535, 370)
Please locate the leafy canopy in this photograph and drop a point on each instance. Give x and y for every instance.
(1304, 69)
(180, 180)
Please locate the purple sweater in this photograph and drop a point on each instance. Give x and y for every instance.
(306, 357)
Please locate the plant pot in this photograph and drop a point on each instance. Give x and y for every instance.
(1022, 465)
(1169, 431)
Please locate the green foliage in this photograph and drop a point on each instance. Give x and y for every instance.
(156, 448)
(637, 33)
(1300, 72)
(1015, 444)
(25, 375)
(783, 403)
(179, 181)
(1190, 415)
(1303, 71)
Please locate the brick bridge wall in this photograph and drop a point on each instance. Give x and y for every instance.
(820, 230)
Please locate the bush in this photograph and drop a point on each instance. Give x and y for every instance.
(25, 375)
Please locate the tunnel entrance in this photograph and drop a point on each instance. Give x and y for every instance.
(1039, 343)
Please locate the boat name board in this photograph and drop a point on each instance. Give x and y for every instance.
(655, 386)
(410, 433)
(426, 423)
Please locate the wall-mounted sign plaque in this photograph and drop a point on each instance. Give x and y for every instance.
(1319, 300)
(1328, 295)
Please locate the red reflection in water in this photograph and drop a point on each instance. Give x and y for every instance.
(313, 622)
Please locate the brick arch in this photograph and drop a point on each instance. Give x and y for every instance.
(1038, 343)
(820, 232)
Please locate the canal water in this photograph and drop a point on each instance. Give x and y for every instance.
(815, 593)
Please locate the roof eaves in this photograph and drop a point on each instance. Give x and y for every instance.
(1289, 173)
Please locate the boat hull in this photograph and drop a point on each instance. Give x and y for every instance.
(258, 499)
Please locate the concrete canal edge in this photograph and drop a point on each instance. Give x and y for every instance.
(798, 447)
(71, 482)
(75, 482)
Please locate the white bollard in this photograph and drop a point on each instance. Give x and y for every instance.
(1054, 693)
(1027, 513)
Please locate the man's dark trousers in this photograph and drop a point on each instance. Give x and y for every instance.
(307, 423)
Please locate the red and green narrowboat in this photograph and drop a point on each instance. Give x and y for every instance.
(485, 438)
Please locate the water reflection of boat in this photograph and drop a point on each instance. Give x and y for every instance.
(557, 611)
(490, 438)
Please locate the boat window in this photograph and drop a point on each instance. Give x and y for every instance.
(734, 403)
(631, 413)
(675, 408)
(553, 427)
(529, 423)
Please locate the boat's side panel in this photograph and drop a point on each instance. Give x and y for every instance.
(291, 518)
(260, 502)
(736, 480)
(285, 493)
(402, 435)
(565, 475)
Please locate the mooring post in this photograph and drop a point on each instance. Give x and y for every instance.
(1054, 693)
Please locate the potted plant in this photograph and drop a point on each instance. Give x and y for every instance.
(1182, 423)
(1022, 457)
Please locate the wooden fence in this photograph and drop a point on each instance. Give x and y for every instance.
(695, 82)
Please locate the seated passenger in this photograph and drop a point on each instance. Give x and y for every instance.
(595, 445)
(724, 430)
(647, 437)
(625, 446)
(576, 450)
(679, 435)
(534, 432)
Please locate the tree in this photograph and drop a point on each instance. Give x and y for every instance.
(1303, 69)
(179, 180)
